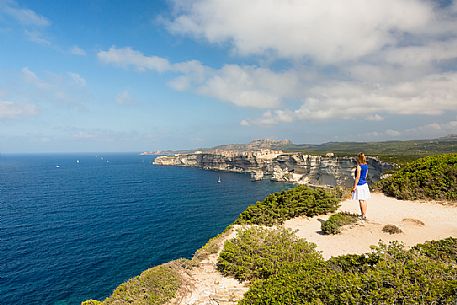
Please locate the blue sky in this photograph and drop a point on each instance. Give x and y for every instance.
(99, 75)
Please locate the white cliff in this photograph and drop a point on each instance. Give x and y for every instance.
(278, 166)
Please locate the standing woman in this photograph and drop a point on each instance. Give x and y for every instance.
(360, 190)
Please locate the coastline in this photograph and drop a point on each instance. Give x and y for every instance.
(420, 226)
(279, 166)
(421, 221)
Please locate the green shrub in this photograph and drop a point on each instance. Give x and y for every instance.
(154, 286)
(91, 302)
(389, 275)
(257, 253)
(335, 222)
(444, 250)
(433, 177)
(391, 229)
(278, 207)
(353, 262)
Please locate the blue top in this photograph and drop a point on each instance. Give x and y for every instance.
(363, 174)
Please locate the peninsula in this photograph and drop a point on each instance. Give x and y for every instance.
(262, 161)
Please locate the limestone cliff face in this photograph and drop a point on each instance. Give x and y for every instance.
(279, 166)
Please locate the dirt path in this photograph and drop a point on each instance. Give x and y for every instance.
(205, 285)
(419, 221)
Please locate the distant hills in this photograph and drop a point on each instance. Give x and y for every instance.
(257, 144)
(387, 150)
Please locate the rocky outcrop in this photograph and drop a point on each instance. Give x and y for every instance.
(279, 166)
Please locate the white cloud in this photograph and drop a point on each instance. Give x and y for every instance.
(270, 118)
(31, 23)
(30, 77)
(127, 57)
(245, 123)
(124, 98)
(321, 97)
(327, 31)
(446, 127)
(247, 86)
(432, 52)
(432, 95)
(386, 56)
(37, 37)
(85, 135)
(374, 117)
(431, 130)
(392, 132)
(75, 50)
(180, 83)
(22, 15)
(77, 79)
(244, 86)
(106, 136)
(66, 89)
(354, 59)
(11, 110)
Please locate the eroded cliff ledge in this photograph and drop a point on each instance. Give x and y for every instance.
(279, 166)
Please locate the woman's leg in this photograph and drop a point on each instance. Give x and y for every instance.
(363, 208)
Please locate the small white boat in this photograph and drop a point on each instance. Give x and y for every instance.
(219, 180)
(57, 166)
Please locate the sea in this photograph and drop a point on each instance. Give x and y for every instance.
(75, 226)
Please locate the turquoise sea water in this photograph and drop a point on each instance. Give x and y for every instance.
(73, 227)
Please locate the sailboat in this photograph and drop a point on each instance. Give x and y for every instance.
(219, 180)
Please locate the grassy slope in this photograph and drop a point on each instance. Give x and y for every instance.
(394, 151)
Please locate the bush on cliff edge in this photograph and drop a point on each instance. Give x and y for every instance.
(258, 253)
(154, 286)
(299, 201)
(433, 177)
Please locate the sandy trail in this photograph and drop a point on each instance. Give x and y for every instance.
(440, 221)
(205, 285)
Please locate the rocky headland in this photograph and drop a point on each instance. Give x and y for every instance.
(280, 166)
(281, 241)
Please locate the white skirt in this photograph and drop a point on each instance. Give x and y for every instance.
(361, 193)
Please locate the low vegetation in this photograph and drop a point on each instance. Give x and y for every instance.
(281, 206)
(297, 274)
(152, 287)
(432, 177)
(211, 247)
(258, 253)
(335, 222)
(391, 229)
(444, 250)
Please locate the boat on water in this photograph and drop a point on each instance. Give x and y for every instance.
(219, 180)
